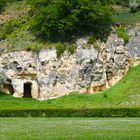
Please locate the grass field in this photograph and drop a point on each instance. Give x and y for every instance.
(69, 129)
(124, 94)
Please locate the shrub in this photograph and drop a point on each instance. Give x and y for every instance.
(2, 5)
(122, 34)
(60, 48)
(96, 112)
(71, 49)
(7, 29)
(10, 27)
(66, 19)
(33, 47)
(90, 40)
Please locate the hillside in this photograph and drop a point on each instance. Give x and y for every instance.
(59, 54)
(69, 69)
(16, 22)
(124, 94)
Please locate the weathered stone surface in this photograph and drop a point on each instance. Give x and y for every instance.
(134, 43)
(88, 70)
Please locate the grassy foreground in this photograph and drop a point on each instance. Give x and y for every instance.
(69, 129)
(124, 94)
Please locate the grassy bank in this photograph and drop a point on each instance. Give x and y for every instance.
(70, 128)
(124, 16)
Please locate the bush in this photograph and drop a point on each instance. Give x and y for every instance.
(66, 19)
(7, 29)
(71, 49)
(60, 48)
(90, 40)
(33, 47)
(2, 5)
(10, 26)
(96, 112)
(122, 34)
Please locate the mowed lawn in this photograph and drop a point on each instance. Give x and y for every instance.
(69, 129)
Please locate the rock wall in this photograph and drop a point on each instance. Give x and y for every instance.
(88, 70)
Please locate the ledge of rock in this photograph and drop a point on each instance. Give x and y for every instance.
(43, 76)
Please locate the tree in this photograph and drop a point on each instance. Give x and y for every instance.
(66, 19)
(2, 4)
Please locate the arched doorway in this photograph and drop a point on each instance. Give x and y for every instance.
(27, 90)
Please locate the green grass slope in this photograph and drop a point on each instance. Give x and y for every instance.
(124, 16)
(124, 94)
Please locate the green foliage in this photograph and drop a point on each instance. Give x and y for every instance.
(10, 26)
(33, 47)
(19, 37)
(4, 2)
(2, 5)
(60, 48)
(122, 2)
(124, 16)
(66, 19)
(71, 48)
(99, 112)
(134, 6)
(90, 40)
(122, 34)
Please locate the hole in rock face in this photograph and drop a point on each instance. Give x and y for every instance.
(27, 90)
(9, 88)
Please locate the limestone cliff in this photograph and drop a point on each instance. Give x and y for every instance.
(88, 70)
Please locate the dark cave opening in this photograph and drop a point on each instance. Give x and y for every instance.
(9, 88)
(27, 90)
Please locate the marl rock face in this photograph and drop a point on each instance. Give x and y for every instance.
(134, 43)
(88, 70)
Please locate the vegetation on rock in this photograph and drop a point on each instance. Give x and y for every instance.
(122, 34)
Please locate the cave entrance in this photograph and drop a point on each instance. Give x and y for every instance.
(27, 90)
(8, 88)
